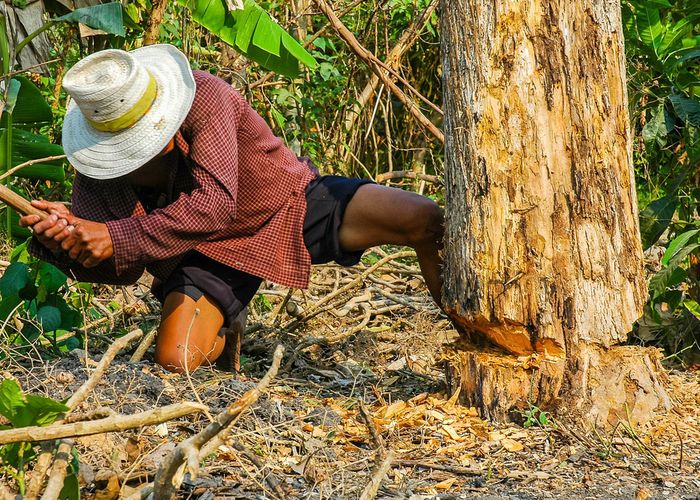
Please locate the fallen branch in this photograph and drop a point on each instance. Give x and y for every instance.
(82, 393)
(357, 281)
(58, 471)
(109, 424)
(372, 487)
(143, 346)
(188, 453)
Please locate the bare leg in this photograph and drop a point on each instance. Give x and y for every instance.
(177, 318)
(379, 215)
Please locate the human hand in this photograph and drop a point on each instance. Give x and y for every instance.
(88, 242)
(51, 231)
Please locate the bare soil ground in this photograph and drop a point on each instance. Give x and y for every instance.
(375, 345)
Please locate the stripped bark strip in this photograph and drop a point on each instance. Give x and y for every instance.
(109, 424)
(188, 453)
(58, 471)
(377, 67)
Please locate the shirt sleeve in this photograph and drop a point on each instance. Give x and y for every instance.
(209, 208)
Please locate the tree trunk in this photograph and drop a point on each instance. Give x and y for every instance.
(542, 251)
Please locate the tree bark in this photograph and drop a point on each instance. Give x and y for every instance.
(151, 34)
(542, 250)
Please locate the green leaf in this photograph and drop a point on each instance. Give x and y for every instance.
(12, 94)
(650, 29)
(50, 279)
(39, 410)
(666, 278)
(15, 278)
(20, 253)
(49, 317)
(28, 146)
(655, 218)
(658, 128)
(688, 109)
(18, 231)
(7, 305)
(693, 307)
(11, 399)
(71, 487)
(31, 110)
(253, 33)
(677, 245)
(106, 17)
(675, 32)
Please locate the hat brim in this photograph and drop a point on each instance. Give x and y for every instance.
(106, 155)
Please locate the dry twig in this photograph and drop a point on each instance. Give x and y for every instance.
(372, 487)
(143, 346)
(58, 471)
(82, 393)
(109, 424)
(189, 452)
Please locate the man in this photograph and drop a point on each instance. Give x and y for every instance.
(177, 174)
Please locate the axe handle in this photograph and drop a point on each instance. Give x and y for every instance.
(20, 204)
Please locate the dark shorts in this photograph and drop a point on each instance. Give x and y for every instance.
(326, 200)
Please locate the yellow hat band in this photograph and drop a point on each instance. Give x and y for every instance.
(129, 118)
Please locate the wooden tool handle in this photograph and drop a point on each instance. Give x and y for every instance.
(20, 204)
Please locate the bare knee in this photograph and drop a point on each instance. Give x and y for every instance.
(428, 224)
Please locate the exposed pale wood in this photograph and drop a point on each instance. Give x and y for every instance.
(18, 203)
(622, 382)
(542, 248)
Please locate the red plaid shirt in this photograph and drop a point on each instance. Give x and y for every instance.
(238, 199)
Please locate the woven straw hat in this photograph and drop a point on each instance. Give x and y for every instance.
(125, 108)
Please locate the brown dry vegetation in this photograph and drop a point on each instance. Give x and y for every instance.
(308, 437)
